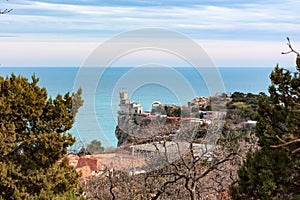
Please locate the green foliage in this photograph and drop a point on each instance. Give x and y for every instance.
(33, 137)
(208, 108)
(298, 62)
(185, 113)
(95, 147)
(249, 99)
(71, 195)
(243, 105)
(269, 172)
(172, 111)
(264, 175)
(158, 110)
(82, 152)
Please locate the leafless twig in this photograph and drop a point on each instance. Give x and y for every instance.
(5, 11)
(291, 48)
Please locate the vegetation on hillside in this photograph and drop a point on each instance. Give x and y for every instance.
(94, 147)
(243, 106)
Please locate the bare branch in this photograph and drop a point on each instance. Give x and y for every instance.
(296, 150)
(281, 140)
(214, 166)
(5, 11)
(291, 48)
(285, 144)
(288, 144)
(159, 192)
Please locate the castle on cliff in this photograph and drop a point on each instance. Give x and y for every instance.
(127, 107)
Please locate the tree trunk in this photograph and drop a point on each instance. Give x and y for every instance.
(191, 188)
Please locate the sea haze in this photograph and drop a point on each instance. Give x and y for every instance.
(61, 80)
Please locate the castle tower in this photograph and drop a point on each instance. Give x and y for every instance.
(124, 102)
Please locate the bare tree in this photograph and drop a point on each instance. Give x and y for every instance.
(198, 171)
(178, 169)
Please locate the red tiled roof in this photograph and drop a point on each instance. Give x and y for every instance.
(87, 161)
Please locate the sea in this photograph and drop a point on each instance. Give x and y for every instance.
(97, 118)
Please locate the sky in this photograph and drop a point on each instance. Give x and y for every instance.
(236, 33)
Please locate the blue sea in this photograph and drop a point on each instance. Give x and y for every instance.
(97, 118)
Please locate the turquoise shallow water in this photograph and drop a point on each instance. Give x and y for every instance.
(105, 95)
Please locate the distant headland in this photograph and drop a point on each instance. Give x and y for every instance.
(136, 126)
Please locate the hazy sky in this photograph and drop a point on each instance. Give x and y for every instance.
(233, 33)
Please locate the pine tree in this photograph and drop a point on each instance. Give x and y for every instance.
(33, 137)
(272, 171)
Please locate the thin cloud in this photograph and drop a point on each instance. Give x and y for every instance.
(219, 20)
(46, 16)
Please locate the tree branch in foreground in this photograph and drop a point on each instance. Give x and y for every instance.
(291, 48)
(5, 11)
(288, 144)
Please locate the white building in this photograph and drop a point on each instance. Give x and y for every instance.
(126, 107)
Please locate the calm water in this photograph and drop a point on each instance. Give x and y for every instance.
(98, 120)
